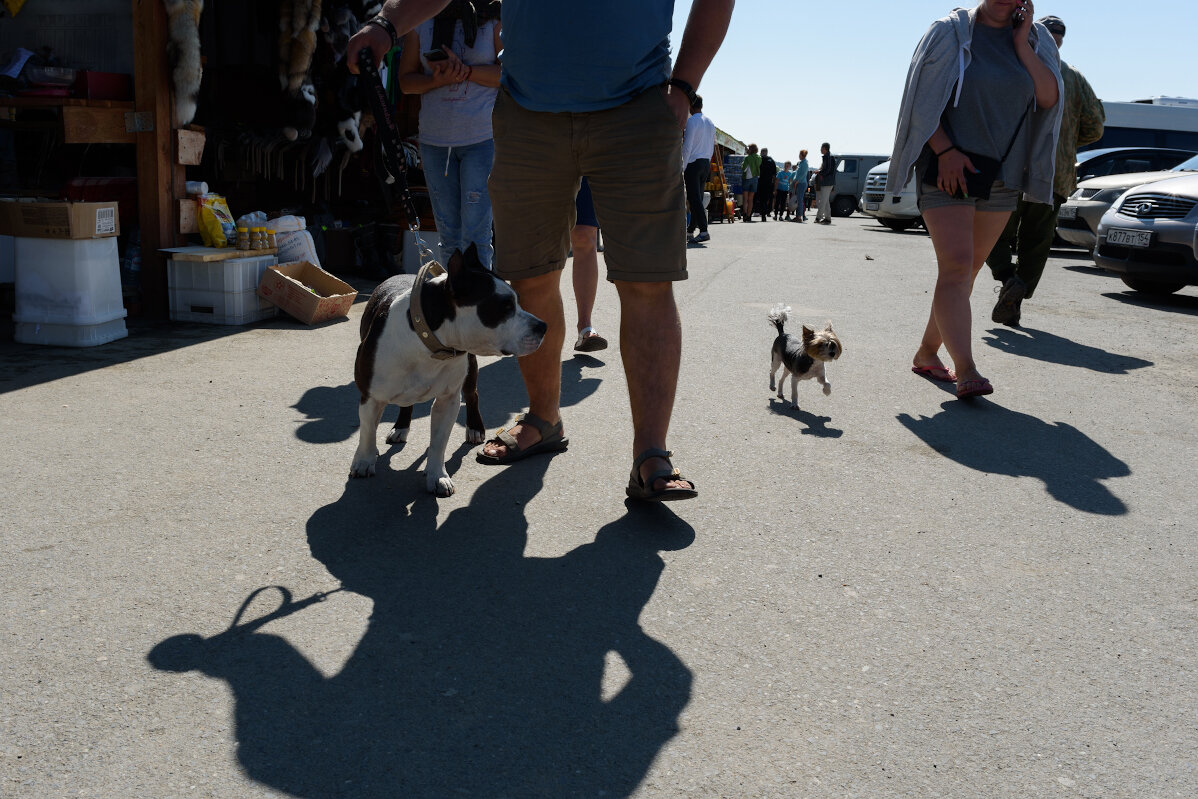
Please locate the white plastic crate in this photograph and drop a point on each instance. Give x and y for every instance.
(219, 307)
(219, 292)
(69, 335)
(67, 281)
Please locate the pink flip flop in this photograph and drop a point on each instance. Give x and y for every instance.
(940, 374)
(974, 388)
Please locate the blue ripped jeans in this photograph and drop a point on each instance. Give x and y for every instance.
(457, 186)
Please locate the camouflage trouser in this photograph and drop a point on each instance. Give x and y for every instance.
(1022, 249)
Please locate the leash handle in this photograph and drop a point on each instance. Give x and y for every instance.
(285, 608)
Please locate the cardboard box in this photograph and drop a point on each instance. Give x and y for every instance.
(60, 220)
(307, 292)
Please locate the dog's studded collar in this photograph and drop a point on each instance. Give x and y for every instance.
(416, 314)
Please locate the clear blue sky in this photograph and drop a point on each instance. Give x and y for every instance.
(795, 73)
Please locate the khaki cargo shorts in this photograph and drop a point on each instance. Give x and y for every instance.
(632, 157)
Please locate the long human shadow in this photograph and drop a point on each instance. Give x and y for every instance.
(1044, 346)
(331, 412)
(481, 672)
(995, 440)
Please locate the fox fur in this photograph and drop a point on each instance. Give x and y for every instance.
(183, 51)
(298, 22)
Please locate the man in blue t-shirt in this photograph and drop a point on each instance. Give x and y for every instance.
(607, 105)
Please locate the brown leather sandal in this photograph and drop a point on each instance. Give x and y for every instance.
(643, 489)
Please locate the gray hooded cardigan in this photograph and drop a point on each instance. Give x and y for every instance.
(938, 65)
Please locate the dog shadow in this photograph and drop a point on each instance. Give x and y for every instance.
(989, 438)
(330, 413)
(815, 425)
(482, 672)
(1051, 348)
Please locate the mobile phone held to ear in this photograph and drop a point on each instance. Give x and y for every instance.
(1017, 17)
(435, 55)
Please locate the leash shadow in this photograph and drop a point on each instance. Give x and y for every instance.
(989, 438)
(481, 671)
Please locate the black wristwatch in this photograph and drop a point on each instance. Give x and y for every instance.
(686, 88)
(382, 22)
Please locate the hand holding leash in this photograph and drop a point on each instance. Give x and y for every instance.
(372, 39)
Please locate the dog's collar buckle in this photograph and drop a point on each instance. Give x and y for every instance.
(416, 314)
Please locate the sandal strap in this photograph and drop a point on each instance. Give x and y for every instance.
(507, 439)
(652, 453)
(540, 425)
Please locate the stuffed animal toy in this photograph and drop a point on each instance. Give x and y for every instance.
(183, 52)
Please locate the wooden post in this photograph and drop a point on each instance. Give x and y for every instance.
(159, 177)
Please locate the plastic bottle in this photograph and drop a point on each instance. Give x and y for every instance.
(243, 238)
(272, 243)
(257, 239)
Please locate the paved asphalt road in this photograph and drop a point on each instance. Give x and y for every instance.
(888, 593)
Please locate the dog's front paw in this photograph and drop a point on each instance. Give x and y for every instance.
(398, 436)
(475, 436)
(772, 385)
(827, 389)
(362, 467)
(441, 487)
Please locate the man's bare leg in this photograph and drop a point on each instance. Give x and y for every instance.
(651, 347)
(542, 370)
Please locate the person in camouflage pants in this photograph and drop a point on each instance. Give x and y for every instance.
(1030, 231)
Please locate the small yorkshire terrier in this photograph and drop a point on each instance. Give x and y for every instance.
(803, 358)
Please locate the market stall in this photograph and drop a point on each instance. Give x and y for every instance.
(251, 101)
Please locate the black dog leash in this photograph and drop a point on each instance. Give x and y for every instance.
(396, 166)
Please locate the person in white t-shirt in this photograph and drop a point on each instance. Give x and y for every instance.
(698, 144)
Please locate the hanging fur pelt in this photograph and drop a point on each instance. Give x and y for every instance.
(183, 52)
(298, 22)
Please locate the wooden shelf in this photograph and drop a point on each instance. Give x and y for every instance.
(79, 121)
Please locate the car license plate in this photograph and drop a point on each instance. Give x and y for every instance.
(872, 206)
(1129, 238)
(1067, 212)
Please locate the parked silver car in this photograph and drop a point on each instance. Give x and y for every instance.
(1149, 237)
(1077, 221)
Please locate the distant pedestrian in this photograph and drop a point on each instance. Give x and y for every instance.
(827, 181)
(765, 189)
(782, 192)
(751, 167)
(698, 145)
(1031, 229)
(584, 247)
(802, 177)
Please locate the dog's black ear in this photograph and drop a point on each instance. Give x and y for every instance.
(471, 258)
(454, 267)
(808, 334)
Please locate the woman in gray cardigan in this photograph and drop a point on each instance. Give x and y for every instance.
(983, 81)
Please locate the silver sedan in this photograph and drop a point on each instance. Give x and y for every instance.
(1149, 237)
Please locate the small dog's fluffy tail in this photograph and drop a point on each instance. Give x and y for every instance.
(778, 316)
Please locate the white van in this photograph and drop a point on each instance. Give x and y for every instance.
(850, 180)
(896, 213)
